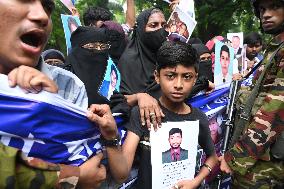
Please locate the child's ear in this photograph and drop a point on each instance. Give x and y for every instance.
(157, 76)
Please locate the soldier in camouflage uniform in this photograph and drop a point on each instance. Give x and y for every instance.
(25, 27)
(249, 160)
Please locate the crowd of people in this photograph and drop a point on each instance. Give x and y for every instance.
(157, 77)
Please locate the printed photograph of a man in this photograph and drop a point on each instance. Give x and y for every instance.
(175, 153)
(109, 86)
(223, 71)
(70, 24)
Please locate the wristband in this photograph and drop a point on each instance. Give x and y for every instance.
(110, 143)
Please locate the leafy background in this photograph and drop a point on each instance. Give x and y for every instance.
(213, 17)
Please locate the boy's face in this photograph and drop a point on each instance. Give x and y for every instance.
(24, 27)
(176, 83)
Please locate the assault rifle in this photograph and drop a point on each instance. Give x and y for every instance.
(231, 112)
(229, 122)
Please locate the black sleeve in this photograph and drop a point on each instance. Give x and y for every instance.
(134, 124)
(204, 138)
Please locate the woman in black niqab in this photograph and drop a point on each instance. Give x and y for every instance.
(138, 62)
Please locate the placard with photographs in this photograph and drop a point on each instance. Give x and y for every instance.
(186, 5)
(237, 42)
(173, 153)
(70, 24)
(111, 81)
(180, 26)
(223, 67)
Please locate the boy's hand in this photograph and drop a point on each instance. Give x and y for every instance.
(224, 166)
(31, 80)
(186, 184)
(150, 111)
(101, 115)
(92, 172)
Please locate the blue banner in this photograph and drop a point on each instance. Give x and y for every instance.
(47, 130)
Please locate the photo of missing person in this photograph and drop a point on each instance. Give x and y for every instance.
(175, 153)
(70, 24)
(237, 42)
(111, 81)
(180, 26)
(223, 68)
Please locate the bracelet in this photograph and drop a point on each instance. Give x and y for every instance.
(208, 167)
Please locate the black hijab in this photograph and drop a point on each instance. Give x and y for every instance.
(117, 40)
(205, 67)
(89, 65)
(138, 62)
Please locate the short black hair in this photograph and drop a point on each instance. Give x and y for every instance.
(252, 38)
(94, 14)
(173, 53)
(175, 130)
(226, 49)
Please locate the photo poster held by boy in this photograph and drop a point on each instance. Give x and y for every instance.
(111, 81)
(237, 40)
(223, 68)
(70, 24)
(180, 26)
(186, 5)
(171, 138)
(69, 3)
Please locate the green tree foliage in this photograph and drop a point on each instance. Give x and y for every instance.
(213, 17)
(223, 16)
(57, 38)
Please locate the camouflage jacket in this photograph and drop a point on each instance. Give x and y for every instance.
(251, 152)
(17, 171)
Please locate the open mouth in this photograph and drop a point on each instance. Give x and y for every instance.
(33, 39)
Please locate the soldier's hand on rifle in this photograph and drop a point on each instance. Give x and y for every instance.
(224, 166)
(237, 76)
